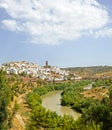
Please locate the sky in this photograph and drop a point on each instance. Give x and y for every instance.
(67, 33)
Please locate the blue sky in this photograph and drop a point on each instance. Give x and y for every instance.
(67, 33)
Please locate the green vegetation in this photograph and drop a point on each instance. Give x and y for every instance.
(42, 118)
(96, 114)
(6, 95)
(9, 87)
(92, 72)
(59, 86)
(51, 87)
(99, 112)
(92, 69)
(102, 83)
(73, 97)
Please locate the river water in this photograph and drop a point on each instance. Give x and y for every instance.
(52, 101)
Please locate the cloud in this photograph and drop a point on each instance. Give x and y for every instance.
(10, 24)
(104, 32)
(54, 21)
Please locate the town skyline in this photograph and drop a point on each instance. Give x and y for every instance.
(76, 33)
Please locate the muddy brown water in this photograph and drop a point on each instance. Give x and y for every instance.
(52, 101)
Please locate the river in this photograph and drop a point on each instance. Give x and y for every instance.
(52, 101)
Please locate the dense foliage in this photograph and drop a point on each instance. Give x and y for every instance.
(42, 118)
(73, 97)
(6, 95)
(102, 83)
(51, 87)
(96, 115)
(92, 110)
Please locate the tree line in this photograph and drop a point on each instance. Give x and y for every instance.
(93, 110)
(48, 120)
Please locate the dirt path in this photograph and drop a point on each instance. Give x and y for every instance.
(19, 120)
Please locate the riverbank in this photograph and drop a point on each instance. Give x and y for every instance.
(52, 101)
(41, 118)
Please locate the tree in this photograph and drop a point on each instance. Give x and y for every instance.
(5, 98)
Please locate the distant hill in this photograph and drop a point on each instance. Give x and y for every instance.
(92, 71)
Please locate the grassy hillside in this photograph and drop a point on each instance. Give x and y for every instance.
(92, 72)
(21, 108)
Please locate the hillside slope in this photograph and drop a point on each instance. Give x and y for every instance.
(92, 72)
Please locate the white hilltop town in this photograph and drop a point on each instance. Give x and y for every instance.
(50, 73)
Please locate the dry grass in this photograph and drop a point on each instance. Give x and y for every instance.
(96, 93)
